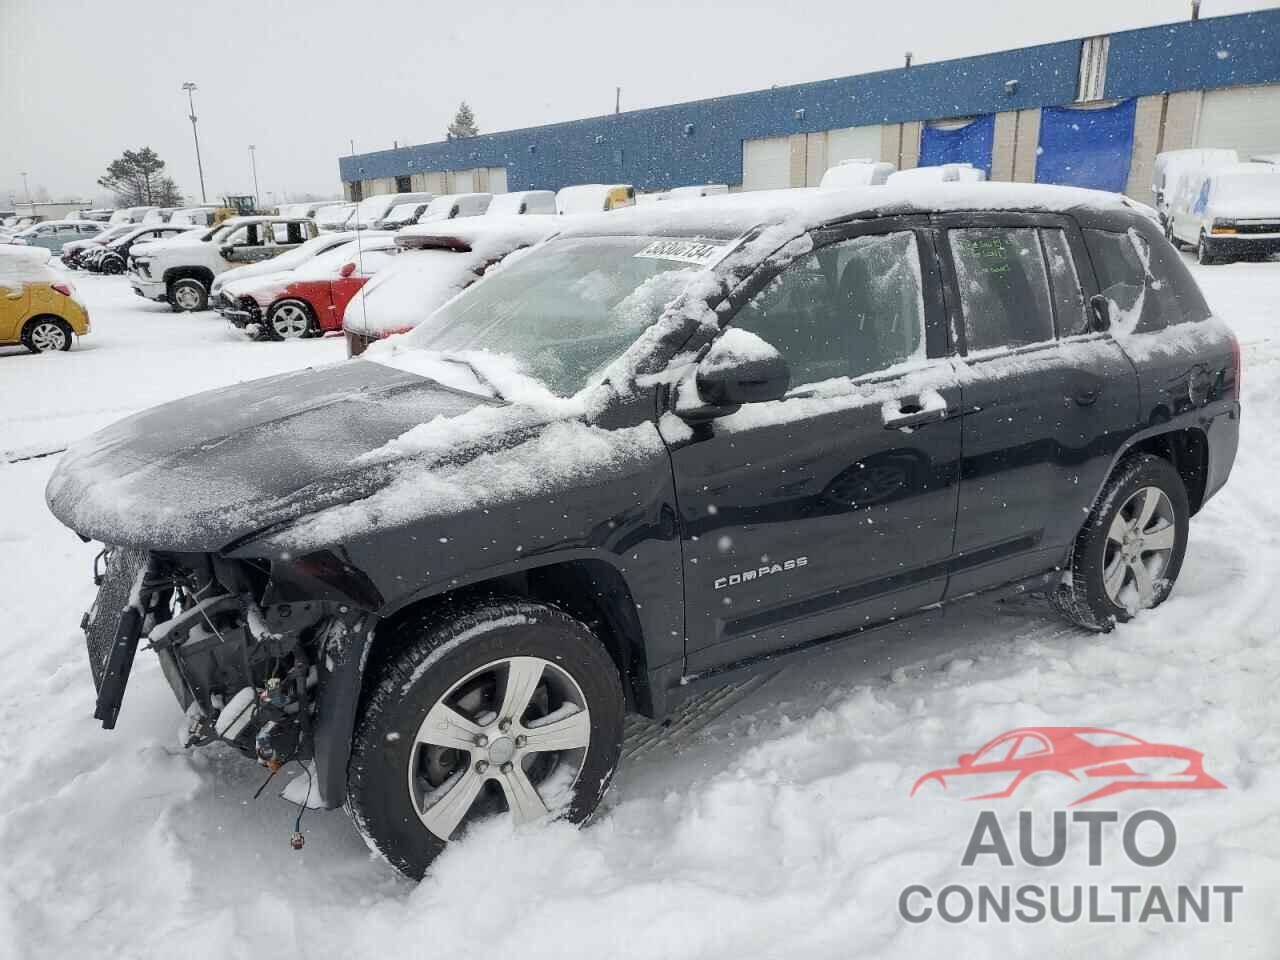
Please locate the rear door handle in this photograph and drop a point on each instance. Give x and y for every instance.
(913, 411)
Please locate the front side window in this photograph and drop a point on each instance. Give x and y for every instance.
(1004, 291)
(848, 309)
(247, 235)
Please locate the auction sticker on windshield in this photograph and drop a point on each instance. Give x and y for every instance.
(700, 252)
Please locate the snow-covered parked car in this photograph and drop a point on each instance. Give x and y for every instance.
(180, 271)
(54, 234)
(308, 300)
(698, 190)
(440, 259)
(112, 257)
(450, 206)
(403, 215)
(595, 197)
(643, 456)
(74, 250)
(286, 261)
(520, 202)
(38, 309)
(1229, 212)
(335, 217)
(858, 172)
(942, 173)
(370, 210)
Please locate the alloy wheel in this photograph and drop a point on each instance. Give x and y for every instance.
(48, 336)
(290, 321)
(1139, 543)
(511, 735)
(187, 297)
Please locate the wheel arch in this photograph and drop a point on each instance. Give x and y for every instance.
(1187, 448)
(203, 274)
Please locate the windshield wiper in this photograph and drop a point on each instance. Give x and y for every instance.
(475, 372)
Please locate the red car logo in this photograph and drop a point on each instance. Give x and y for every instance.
(1084, 754)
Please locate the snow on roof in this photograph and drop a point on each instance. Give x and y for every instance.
(734, 214)
(20, 265)
(856, 173)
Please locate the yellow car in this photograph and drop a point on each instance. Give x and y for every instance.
(38, 309)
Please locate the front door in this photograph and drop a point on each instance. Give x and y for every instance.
(810, 517)
(1046, 401)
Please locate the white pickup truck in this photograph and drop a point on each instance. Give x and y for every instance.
(180, 271)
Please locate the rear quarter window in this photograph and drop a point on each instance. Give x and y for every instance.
(1135, 272)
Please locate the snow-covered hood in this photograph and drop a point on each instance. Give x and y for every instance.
(264, 288)
(212, 469)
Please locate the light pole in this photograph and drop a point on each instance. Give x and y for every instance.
(253, 162)
(26, 188)
(190, 87)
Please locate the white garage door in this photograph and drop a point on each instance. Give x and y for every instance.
(464, 181)
(1246, 118)
(852, 143)
(766, 164)
(497, 179)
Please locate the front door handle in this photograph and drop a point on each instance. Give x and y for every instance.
(913, 411)
(1087, 398)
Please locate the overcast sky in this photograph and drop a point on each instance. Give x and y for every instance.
(80, 82)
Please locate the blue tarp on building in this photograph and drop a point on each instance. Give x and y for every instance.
(968, 144)
(1086, 147)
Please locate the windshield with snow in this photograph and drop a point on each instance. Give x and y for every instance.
(563, 310)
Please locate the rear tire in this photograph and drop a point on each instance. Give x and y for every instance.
(488, 671)
(1128, 555)
(47, 335)
(188, 295)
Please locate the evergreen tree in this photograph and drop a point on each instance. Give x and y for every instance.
(138, 179)
(464, 123)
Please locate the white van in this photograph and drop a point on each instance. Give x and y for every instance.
(859, 172)
(595, 197)
(1228, 213)
(1171, 165)
(522, 202)
(448, 206)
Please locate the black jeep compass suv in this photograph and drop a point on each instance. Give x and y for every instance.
(664, 447)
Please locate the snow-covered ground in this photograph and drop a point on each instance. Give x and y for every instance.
(783, 826)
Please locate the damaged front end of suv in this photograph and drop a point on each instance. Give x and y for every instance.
(249, 648)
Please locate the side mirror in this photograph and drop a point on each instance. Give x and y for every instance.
(739, 368)
(1101, 313)
(227, 250)
(964, 760)
(348, 269)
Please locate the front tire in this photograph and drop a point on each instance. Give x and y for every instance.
(290, 320)
(188, 295)
(47, 335)
(1204, 255)
(1130, 551)
(498, 707)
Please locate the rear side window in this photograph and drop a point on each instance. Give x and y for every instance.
(1004, 291)
(848, 309)
(1068, 299)
(1147, 285)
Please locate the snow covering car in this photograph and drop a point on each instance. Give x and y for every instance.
(130, 215)
(287, 261)
(440, 260)
(113, 257)
(595, 197)
(520, 202)
(699, 190)
(403, 214)
(74, 250)
(180, 271)
(942, 173)
(449, 206)
(856, 173)
(53, 234)
(666, 446)
(308, 300)
(370, 210)
(335, 217)
(37, 308)
(1229, 212)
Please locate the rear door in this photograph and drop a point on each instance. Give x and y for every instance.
(810, 517)
(1047, 402)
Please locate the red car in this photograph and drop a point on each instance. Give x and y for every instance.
(1082, 754)
(307, 301)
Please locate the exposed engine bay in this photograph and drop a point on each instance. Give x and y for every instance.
(246, 652)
